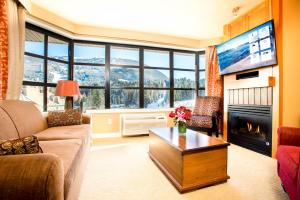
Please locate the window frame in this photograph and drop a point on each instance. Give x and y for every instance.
(91, 64)
(200, 53)
(196, 54)
(107, 65)
(45, 58)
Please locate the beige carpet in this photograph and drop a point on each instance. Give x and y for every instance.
(121, 169)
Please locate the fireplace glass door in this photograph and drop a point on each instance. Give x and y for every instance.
(250, 128)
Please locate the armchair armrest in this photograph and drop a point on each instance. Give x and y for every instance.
(288, 136)
(86, 119)
(31, 176)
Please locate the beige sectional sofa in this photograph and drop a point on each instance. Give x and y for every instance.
(55, 174)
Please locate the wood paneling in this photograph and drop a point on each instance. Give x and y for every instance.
(256, 16)
(238, 26)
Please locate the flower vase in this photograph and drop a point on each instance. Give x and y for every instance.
(181, 128)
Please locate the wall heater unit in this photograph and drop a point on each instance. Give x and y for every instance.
(139, 124)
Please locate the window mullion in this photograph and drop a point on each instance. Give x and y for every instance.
(141, 62)
(171, 61)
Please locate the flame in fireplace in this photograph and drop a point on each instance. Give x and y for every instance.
(250, 128)
(257, 130)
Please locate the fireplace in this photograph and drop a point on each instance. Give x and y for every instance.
(250, 126)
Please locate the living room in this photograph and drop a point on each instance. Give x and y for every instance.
(149, 99)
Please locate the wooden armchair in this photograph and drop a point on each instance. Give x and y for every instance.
(207, 113)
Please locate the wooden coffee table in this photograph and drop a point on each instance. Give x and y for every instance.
(190, 161)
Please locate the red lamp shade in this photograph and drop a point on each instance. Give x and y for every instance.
(67, 88)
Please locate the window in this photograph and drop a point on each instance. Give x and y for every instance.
(88, 53)
(156, 59)
(184, 61)
(93, 99)
(54, 102)
(124, 56)
(184, 79)
(57, 71)
(156, 79)
(109, 75)
(34, 42)
(89, 72)
(58, 49)
(124, 77)
(157, 98)
(46, 61)
(33, 93)
(33, 69)
(184, 97)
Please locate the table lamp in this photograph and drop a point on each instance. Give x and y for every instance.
(67, 89)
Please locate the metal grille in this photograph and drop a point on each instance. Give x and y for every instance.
(251, 96)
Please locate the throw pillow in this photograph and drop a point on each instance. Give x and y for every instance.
(64, 118)
(26, 145)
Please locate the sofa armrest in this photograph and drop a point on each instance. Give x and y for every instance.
(31, 176)
(86, 119)
(288, 136)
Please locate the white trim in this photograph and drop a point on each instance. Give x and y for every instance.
(140, 110)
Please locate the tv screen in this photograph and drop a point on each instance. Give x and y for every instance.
(252, 49)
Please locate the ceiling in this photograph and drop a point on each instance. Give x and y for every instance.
(195, 19)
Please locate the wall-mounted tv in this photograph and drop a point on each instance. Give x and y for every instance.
(252, 49)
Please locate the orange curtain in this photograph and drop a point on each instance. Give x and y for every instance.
(214, 80)
(3, 49)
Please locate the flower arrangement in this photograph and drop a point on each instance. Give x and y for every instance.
(180, 116)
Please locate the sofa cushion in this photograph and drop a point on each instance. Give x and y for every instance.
(64, 118)
(8, 129)
(65, 132)
(26, 145)
(289, 159)
(26, 116)
(71, 153)
(200, 121)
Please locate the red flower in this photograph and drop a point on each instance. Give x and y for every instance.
(187, 115)
(172, 114)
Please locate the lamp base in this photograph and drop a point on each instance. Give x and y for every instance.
(69, 103)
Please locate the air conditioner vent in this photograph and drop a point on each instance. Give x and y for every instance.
(139, 124)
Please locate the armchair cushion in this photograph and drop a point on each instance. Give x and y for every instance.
(201, 121)
(289, 159)
(26, 145)
(64, 118)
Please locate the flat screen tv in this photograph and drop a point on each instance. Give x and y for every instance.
(252, 49)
